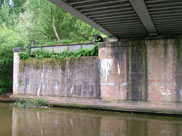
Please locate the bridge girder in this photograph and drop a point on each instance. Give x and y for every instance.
(128, 18)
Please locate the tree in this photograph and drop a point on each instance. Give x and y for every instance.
(49, 23)
(10, 37)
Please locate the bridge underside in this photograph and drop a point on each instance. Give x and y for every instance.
(128, 18)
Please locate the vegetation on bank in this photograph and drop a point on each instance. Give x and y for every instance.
(8, 40)
(30, 103)
(26, 54)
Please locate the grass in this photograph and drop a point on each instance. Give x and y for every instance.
(30, 103)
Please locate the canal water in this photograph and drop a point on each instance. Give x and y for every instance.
(73, 122)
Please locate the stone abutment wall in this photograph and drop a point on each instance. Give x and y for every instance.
(137, 75)
(141, 71)
(58, 77)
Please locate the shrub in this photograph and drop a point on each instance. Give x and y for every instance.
(29, 103)
(42, 54)
(1, 91)
(9, 39)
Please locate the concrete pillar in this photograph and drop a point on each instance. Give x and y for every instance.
(16, 62)
(113, 78)
(148, 70)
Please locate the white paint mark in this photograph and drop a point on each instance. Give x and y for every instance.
(165, 131)
(71, 89)
(165, 92)
(55, 122)
(180, 92)
(105, 66)
(71, 122)
(108, 84)
(56, 87)
(119, 72)
(68, 70)
(124, 84)
(40, 84)
(16, 84)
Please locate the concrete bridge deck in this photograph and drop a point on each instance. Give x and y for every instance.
(128, 18)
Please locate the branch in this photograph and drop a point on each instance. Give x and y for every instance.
(54, 28)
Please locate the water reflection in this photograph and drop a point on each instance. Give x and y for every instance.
(5, 120)
(54, 123)
(64, 122)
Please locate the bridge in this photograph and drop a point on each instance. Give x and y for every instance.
(140, 71)
(128, 18)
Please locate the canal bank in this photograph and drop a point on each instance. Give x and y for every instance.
(96, 104)
(130, 75)
(7, 98)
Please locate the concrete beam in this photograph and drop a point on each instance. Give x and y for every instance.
(63, 5)
(142, 11)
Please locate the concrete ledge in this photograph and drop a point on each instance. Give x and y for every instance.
(140, 107)
(61, 48)
(17, 49)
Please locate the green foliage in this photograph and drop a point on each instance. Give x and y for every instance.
(7, 16)
(178, 47)
(35, 18)
(29, 103)
(42, 54)
(39, 16)
(25, 54)
(9, 39)
(1, 91)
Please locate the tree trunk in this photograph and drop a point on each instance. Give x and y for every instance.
(54, 28)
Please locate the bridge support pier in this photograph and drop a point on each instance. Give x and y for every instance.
(148, 70)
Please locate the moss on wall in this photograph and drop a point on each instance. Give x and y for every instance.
(178, 52)
(165, 45)
(178, 47)
(144, 73)
(38, 64)
(137, 71)
(155, 43)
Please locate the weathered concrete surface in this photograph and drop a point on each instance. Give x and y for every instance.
(75, 77)
(16, 61)
(132, 75)
(141, 70)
